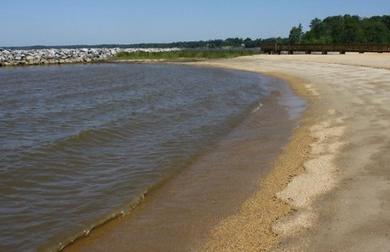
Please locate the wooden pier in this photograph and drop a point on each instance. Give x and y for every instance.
(323, 48)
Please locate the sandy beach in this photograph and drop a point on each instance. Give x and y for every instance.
(329, 189)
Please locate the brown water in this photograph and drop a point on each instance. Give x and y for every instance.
(180, 215)
(80, 144)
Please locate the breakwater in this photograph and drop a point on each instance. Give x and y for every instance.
(9, 57)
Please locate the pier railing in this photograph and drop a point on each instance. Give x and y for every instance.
(324, 48)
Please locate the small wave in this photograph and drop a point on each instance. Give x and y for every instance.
(95, 135)
(257, 108)
(63, 243)
(92, 137)
(84, 232)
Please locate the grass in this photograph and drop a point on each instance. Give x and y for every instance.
(186, 54)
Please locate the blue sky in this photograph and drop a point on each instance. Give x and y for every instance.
(64, 22)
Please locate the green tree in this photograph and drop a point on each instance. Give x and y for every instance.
(386, 21)
(352, 31)
(233, 42)
(345, 29)
(296, 34)
(375, 31)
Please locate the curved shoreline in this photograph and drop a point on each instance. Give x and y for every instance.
(340, 146)
(216, 181)
(252, 228)
(327, 201)
(200, 77)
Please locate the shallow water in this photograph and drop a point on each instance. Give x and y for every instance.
(79, 143)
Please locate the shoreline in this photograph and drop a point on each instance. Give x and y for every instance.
(188, 189)
(348, 60)
(323, 201)
(253, 80)
(328, 166)
(261, 212)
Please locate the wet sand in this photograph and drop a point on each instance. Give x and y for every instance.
(329, 189)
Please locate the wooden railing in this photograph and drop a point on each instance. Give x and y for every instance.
(324, 49)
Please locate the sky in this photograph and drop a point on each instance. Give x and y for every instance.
(69, 22)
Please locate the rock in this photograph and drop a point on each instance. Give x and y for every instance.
(59, 56)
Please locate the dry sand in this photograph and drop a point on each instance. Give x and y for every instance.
(330, 188)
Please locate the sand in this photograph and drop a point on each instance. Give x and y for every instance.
(330, 188)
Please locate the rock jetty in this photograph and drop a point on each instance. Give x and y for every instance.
(10, 57)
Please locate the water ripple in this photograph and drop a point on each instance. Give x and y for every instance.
(79, 143)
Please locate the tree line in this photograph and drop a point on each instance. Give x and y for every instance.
(342, 29)
(345, 29)
(216, 43)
